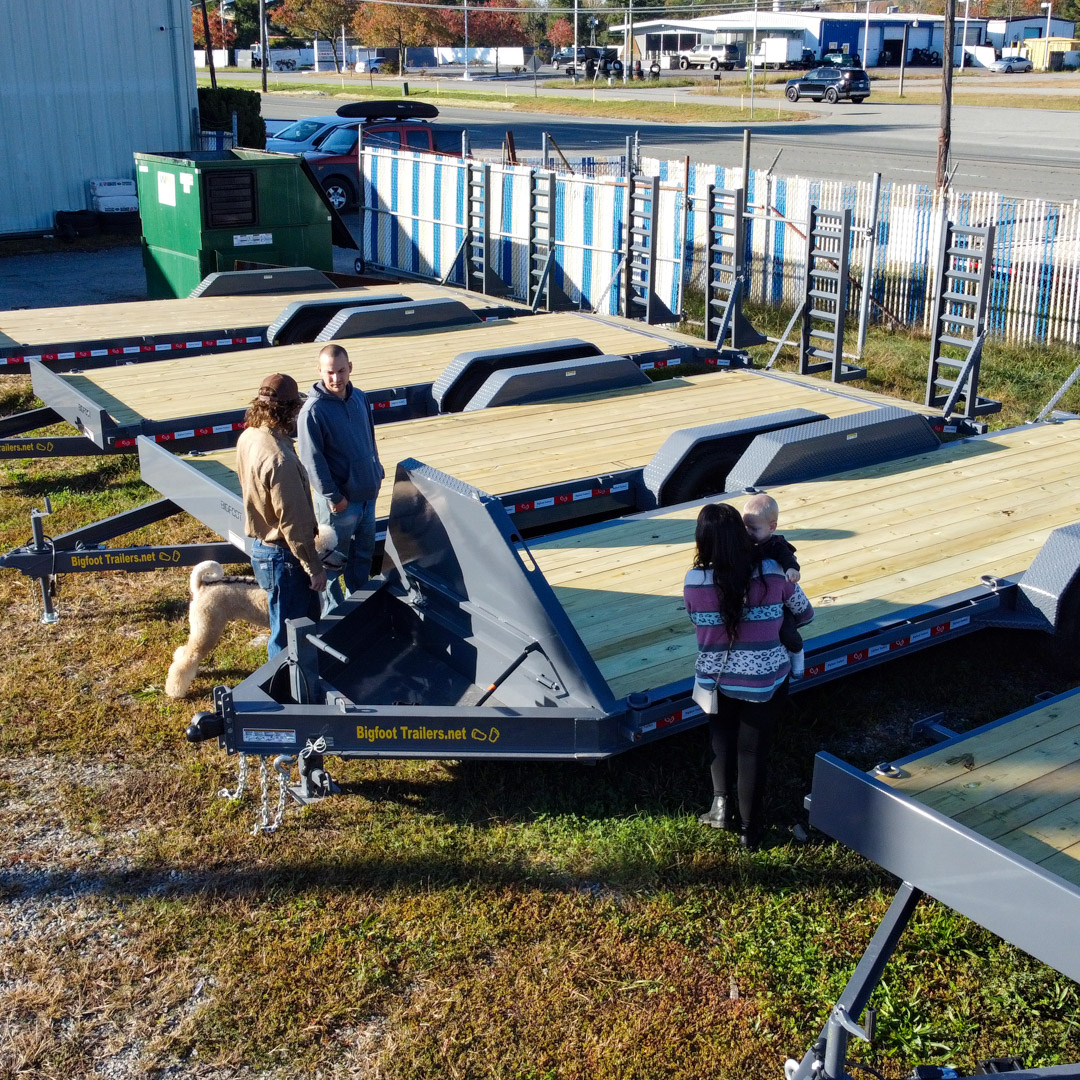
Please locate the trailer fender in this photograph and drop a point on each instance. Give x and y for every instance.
(304, 320)
(248, 282)
(468, 371)
(548, 382)
(832, 446)
(407, 316)
(1050, 587)
(694, 463)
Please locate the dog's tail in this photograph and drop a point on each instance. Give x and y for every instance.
(205, 572)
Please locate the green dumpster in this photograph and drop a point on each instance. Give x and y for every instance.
(204, 211)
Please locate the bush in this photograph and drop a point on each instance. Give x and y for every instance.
(216, 107)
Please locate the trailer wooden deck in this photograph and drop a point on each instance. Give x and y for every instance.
(45, 326)
(519, 447)
(204, 385)
(871, 542)
(1016, 783)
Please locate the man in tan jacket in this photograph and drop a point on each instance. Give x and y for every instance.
(277, 508)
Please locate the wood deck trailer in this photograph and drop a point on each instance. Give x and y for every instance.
(105, 335)
(987, 823)
(583, 637)
(554, 463)
(199, 402)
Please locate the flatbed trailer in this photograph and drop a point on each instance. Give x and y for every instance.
(104, 335)
(555, 464)
(199, 402)
(577, 646)
(987, 823)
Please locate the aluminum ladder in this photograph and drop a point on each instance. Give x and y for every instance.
(480, 275)
(726, 284)
(961, 291)
(824, 306)
(639, 268)
(543, 290)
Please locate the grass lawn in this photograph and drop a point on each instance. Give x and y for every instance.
(482, 920)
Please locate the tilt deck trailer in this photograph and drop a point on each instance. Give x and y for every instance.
(987, 823)
(199, 402)
(553, 463)
(265, 307)
(577, 646)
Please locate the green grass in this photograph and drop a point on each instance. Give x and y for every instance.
(488, 920)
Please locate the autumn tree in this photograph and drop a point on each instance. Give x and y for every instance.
(384, 25)
(561, 33)
(308, 18)
(490, 27)
(222, 32)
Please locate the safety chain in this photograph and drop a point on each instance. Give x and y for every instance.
(241, 782)
(263, 824)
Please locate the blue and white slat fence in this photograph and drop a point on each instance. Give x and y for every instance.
(418, 213)
(1035, 283)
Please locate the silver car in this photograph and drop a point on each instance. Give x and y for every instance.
(305, 135)
(1009, 64)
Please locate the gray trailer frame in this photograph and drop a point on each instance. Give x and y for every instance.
(935, 855)
(464, 607)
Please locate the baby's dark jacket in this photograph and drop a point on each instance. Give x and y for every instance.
(779, 550)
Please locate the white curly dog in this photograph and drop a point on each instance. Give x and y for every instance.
(216, 600)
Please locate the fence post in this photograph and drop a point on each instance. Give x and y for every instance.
(235, 135)
(868, 264)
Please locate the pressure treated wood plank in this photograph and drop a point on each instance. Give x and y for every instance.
(210, 383)
(91, 322)
(884, 559)
(943, 766)
(499, 450)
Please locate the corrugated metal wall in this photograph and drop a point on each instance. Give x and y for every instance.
(85, 84)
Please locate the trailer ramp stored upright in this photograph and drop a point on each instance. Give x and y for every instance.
(986, 823)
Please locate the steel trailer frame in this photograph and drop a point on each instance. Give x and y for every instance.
(463, 598)
(935, 855)
(200, 431)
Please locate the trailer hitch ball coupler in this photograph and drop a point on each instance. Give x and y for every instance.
(203, 726)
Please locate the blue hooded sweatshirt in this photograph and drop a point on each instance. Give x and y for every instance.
(336, 443)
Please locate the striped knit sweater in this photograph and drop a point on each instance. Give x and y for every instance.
(753, 666)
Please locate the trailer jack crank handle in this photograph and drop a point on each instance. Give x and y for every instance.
(515, 664)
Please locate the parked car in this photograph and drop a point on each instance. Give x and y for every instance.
(842, 59)
(830, 83)
(304, 135)
(566, 56)
(1009, 64)
(336, 163)
(713, 56)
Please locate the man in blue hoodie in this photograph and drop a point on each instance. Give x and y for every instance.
(336, 443)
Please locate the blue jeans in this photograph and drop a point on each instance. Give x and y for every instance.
(355, 528)
(288, 591)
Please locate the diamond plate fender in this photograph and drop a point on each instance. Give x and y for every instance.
(832, 446)
(1047, 585)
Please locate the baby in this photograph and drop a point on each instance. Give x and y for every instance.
(760, 516)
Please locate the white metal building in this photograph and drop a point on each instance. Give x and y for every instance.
(85, 84)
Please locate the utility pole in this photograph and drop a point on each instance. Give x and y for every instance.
(262, 42)
(945, 134)
(209, 44)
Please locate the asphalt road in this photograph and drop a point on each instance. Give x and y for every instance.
(1031, 153)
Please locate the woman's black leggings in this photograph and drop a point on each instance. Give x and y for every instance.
(741, 734)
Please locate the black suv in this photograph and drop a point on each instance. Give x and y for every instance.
(830, 83)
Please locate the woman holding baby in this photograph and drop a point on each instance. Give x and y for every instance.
(736, 596)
